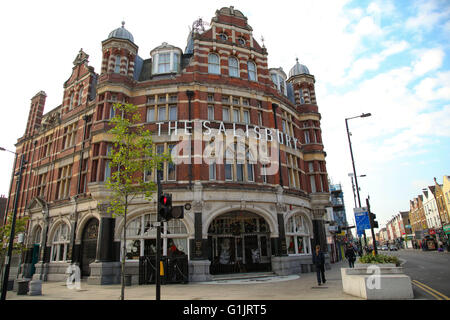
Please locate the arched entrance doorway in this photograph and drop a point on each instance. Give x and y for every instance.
(88, 246)
(239, 242)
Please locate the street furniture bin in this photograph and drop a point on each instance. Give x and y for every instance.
(22, 287)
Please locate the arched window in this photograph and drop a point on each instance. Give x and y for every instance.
(223, 36)
(298, 237)
(213, 63)
(233, 67)
(37, 235)
(302, 99)
(141, 237)
(80, 95)
(251, 71)
(71, 100)
(126, 65)
(117, 65)
(60, 242)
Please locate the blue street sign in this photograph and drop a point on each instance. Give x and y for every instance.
(361, 219)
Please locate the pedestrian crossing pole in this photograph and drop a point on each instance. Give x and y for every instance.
(375, 251)
(158, 237)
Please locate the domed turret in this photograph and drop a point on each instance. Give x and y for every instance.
(119, 52)
(303, 84)
(121, 33)
(298, 69)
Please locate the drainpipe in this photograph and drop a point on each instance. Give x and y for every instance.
(190, 95)
(85, 118)
(274, 108)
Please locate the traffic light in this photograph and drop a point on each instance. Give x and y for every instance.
(165, 207)
(374, 223)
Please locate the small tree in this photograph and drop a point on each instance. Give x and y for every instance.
(132, 154)
(5, 232)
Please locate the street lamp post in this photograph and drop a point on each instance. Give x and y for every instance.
(364, 115)
(13, 225)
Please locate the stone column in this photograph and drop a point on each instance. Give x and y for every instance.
(199, 262)
(105, 270)
(319, 229)
(281, 245)
(73, 250)
(320, 234)
(44, 250)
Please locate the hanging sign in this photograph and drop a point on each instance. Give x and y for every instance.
(361, 219)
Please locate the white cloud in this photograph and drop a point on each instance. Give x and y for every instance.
(429, 60)
(373, 62)
(434, 88)
(429, 14)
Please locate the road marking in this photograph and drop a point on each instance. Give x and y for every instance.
(426, 290)
(435, 291)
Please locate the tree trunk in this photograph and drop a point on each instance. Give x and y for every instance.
(124, 255)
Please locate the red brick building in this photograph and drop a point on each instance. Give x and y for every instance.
(222, 84)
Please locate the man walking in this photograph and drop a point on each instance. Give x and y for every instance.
(319, 261)
(350, 255)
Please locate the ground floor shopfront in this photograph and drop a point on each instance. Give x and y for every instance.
(223, 232)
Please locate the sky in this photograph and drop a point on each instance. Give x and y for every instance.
(387, 58)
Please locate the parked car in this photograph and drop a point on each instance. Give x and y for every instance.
(385, 248)
(392, 248)
(379, 248)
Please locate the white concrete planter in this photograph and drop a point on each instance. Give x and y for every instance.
(35, 288)
(377, 282)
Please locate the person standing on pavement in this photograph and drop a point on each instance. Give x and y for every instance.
(319, 261)
(351, 256)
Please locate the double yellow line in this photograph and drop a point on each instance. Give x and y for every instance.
(427, 289)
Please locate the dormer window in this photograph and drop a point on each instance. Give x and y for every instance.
(279, 81)
(166, 61)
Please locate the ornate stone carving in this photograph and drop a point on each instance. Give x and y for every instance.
(281, 208)
(318, 214)
(102, 208)
(81, 57)
(197, 206)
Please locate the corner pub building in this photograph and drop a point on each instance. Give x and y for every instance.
(238, 216)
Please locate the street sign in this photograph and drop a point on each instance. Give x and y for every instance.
(362, 219)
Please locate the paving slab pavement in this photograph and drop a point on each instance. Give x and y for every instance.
(300, 287)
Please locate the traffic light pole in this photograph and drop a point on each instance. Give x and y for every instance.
(158, 238)
(371, 227)
(13, 226)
